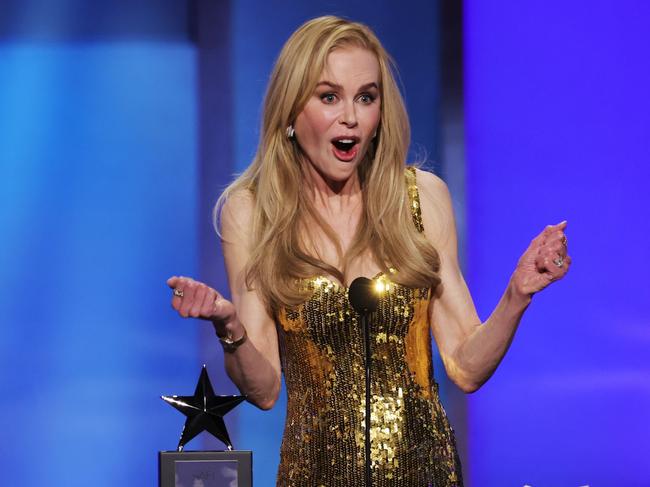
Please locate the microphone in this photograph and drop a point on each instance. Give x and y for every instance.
(362, 296)
(364, 301)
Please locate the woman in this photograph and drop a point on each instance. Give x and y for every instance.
(328, 198)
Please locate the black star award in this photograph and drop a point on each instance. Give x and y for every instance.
(205, 411)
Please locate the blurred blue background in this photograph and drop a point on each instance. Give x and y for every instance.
(120, 122)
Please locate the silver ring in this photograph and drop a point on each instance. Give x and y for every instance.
(178, 292)
(559, 261)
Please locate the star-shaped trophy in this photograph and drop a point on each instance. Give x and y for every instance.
(204, 411)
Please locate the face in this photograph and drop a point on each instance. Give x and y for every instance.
(340, 119)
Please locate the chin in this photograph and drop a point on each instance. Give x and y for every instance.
(343, 171)
(336, 170)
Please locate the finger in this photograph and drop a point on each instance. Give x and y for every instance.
(556, 247)
(547, 278)
(552, 229)
(561, 226)
(176, 302)
(556, 236)
(544, 260)
(567, 263)
(554, 264)
(176, 284)
(541, 237)
(548, 272)
(555, 240)
(189, 288)
(544, 236)
(199, 295)
(561, 271)
(545, 265)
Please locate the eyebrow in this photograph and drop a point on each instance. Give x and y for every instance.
(339, 87)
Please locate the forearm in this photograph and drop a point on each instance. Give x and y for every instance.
(251, 371)
(478, 356)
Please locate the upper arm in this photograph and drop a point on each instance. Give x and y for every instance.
(452, 313)
(236, 229)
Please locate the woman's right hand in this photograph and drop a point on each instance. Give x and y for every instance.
(198, 300)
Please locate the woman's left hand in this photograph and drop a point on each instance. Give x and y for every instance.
(544, 261)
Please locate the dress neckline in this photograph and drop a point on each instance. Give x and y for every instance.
(340, 287)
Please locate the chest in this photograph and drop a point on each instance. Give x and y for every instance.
(334, 249)
(328, 320)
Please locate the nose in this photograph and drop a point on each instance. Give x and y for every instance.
(348, 115)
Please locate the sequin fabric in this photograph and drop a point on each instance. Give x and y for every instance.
(321, 346)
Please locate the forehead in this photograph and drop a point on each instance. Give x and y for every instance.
(351, 65)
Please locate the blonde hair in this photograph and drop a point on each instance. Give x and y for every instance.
(282, 206)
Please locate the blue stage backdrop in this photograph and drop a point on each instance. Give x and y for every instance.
(97, 207)
(114, 143)
(558, 127)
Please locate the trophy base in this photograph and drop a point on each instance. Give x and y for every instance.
(210, 468)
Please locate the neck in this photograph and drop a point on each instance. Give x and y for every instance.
(333, 195)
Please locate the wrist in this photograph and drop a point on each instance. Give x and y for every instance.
(230, 345)
(517, 296)
(231, 335)
(228, 329)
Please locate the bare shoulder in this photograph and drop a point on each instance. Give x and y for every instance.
(239, 203)
(236, 215)
(235, 221)
(431, 185)
(436, 208)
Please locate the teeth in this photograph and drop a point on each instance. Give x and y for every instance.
(345, 141)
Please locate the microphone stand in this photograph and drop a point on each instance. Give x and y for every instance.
(364, 301)
(365, 323)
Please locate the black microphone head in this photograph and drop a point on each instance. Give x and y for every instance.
(362, 296)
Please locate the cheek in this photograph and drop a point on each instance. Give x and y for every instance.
(375, 117)
(312, 128)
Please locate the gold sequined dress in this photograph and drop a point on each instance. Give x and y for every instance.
(321, 345)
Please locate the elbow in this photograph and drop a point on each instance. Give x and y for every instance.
(261, 394)
(266, 405)
(469, 377)
(470, 383)
(467, 381)
(468, 387)
(267, 401)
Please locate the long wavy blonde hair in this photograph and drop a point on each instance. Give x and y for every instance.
(279, 259)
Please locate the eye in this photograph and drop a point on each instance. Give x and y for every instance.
(328, 98)
(366, 98)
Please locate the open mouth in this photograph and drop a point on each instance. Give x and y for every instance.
(344, 145)
(345, 148)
